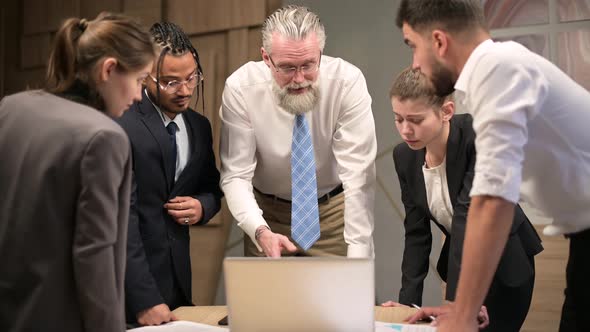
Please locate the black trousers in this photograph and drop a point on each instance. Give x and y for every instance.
(509, 306)
(577, 293)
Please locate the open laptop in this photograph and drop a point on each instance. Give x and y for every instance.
(300, 294)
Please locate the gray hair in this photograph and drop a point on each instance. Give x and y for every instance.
(295, 22)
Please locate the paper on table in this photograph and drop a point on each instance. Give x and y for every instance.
(392, 327)
(180, 326)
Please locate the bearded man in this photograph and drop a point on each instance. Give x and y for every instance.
(298, 145)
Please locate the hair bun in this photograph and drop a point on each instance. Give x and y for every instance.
(83, 24)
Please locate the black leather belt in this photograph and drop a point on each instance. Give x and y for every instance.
(321, 200)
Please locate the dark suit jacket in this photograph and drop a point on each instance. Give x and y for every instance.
(65, 179)
(514, 268)
(158, 255)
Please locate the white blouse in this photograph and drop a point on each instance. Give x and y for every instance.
(437, 193)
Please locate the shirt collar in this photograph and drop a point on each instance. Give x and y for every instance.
(165, 118)
(468, 68)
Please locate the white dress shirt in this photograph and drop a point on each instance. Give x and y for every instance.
(255, 147)
(183, 152)
(437, 194)
(531, 122)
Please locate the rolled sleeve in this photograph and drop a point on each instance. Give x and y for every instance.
(495, 178)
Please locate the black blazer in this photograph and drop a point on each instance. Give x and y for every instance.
(514, 268)
(158, 249)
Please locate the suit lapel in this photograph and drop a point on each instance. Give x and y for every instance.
(454, 169)
(153, 121)
(421, 191)
(420, 184)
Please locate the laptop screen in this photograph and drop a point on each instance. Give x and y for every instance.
(300, 294)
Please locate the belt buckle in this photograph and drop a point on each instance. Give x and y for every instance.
(324, 199)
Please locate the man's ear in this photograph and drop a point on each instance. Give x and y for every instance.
(448, 110)
(265, 56)
(106, 69)
(440, 42)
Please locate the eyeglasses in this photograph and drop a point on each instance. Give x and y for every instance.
(174, 86)
(290, 71)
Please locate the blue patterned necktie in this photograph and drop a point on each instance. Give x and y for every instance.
(305, 221)
(171, 128)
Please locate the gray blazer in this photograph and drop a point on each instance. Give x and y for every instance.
(65, 178)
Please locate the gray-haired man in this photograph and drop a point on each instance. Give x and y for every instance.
(298, 145)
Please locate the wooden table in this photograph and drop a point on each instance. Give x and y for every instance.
(212, 314)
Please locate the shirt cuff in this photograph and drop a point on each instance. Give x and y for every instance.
(360, 251)
(250, 227)
(497, 179)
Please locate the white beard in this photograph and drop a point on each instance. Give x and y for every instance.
(297, 103)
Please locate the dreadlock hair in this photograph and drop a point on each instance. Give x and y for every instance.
(172, 40)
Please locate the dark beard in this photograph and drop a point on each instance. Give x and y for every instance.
(443, 81)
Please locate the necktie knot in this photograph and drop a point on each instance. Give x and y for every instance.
(171, 128)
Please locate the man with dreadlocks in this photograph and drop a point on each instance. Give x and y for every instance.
(176, 182)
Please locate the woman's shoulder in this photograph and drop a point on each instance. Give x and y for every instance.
(464, 124)
(464, 120)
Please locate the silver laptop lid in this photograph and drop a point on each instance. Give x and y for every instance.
(300, 294)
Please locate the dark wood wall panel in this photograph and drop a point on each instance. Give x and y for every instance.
(213, 53)
(254, 43)
(89, 9)
(35, 50)
(225, 32)
(205, 16)
(247, 12)
(14, 78)
(2, 46)
(237, 43)
(147, 11)
(47, 15)
(208, 16)
(272, 5)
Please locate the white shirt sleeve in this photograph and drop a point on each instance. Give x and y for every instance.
(355, 148)
(503, 97)
(237, 151)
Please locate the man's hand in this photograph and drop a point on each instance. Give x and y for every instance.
(155, 315)
(273, 244)
(446, 321)
(393, 304)
(424, 313)
(185, 210)
(483, 319)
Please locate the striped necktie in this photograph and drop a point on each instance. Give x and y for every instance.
(305, 221)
